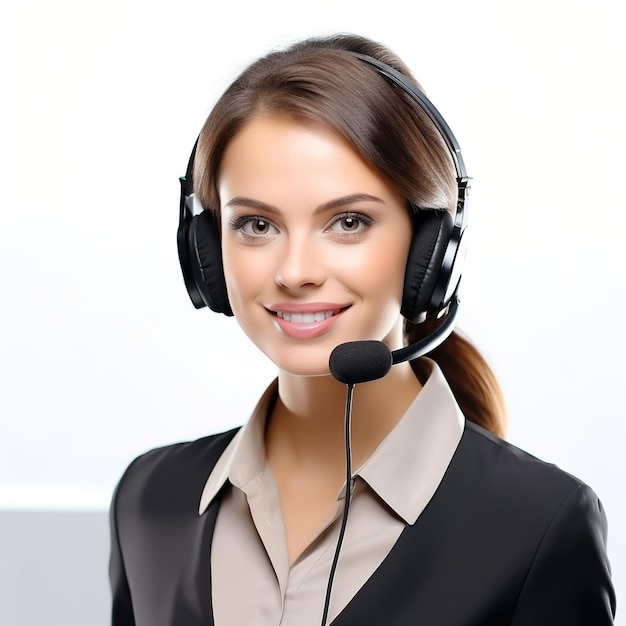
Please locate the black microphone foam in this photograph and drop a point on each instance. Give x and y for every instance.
(360, 361)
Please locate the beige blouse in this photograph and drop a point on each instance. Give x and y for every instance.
(252, 583)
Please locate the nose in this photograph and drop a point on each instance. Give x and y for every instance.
(301, 263)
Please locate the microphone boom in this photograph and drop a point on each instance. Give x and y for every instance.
(361, 361)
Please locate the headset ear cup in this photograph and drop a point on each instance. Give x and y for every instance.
(206, 262)
(431, 236)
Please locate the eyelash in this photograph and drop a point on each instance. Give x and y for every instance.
(239, 223)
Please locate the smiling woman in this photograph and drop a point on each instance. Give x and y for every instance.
(309, 229)
(334, 209)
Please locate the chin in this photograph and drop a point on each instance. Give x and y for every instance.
(302, 362)
(307, 373)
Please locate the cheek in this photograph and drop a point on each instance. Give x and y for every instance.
(241, 273)
(380, 270)
(386, 270)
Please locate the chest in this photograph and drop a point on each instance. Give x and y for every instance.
(438, 571)
(255, 582)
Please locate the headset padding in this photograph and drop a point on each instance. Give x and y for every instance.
(206, 262)
(433, 229)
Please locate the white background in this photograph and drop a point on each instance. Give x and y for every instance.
(101, 353)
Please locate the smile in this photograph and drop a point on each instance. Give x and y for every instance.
(306, 318)
(301, 321)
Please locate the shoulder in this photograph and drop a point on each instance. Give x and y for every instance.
(505, 467)
(180, 457)
(550, 523)
(171, 474)
(519, 490)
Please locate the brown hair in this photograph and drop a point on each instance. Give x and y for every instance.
(317, 81)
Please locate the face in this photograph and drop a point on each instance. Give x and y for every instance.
(314, 243)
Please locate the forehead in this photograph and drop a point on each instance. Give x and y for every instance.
(278, 158)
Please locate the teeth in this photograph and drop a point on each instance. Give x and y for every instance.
(304, 318)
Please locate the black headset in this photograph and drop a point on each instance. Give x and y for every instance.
(435, 258)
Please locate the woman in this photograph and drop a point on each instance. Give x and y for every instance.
(329, 189)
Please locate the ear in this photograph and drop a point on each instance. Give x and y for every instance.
(431, 236)
(205, 257)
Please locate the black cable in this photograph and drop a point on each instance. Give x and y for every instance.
(348, 495)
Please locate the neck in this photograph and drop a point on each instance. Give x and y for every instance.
(306, 428)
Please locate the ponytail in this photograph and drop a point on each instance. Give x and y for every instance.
(472, 381)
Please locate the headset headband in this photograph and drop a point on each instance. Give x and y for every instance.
(434, 265)
(408, 86)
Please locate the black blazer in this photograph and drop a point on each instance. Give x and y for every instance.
(505, 540)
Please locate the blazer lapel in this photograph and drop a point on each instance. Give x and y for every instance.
(197, 586)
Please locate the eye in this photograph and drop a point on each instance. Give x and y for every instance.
(350, 224)
(252, 226)
(257, 226)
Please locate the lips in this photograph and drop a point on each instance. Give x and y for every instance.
(306, 321)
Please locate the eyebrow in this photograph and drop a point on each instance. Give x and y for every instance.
(331, 204)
